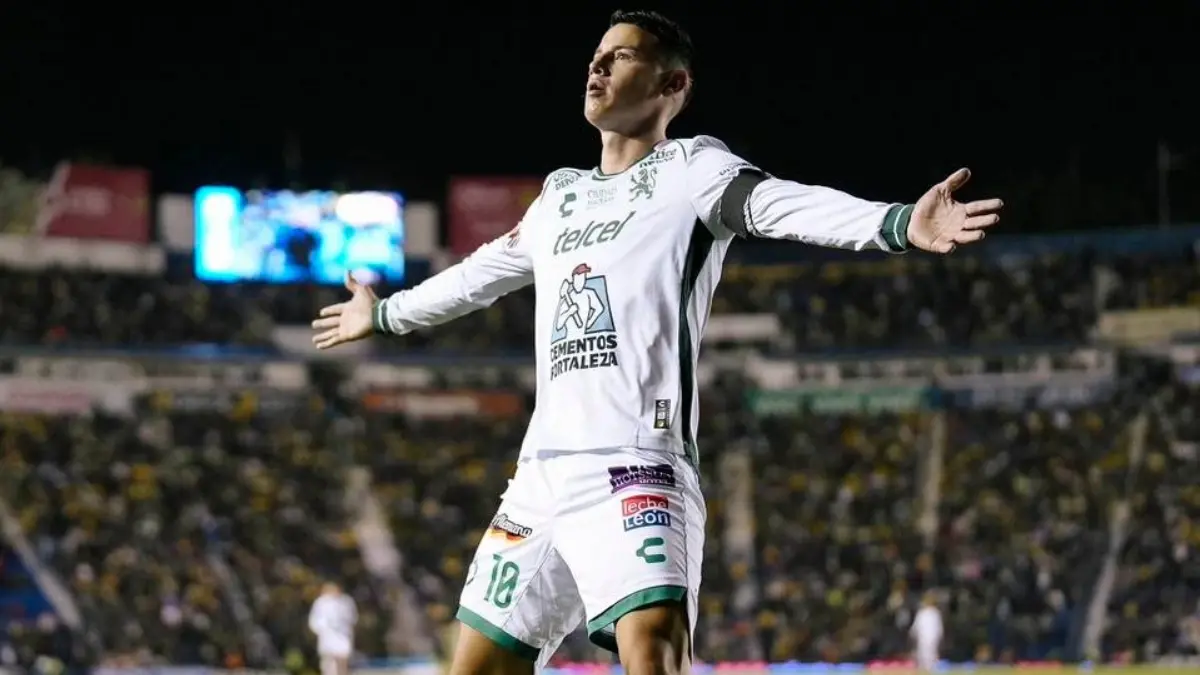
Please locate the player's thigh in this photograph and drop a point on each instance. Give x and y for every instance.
(519, 594)
(478, 654)
(637, 539)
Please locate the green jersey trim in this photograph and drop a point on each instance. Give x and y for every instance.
(698, 250)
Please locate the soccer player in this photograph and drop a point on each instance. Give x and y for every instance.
(603, 522)
(926, 632)
(332, 619)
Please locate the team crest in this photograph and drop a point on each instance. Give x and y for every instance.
(644, 182)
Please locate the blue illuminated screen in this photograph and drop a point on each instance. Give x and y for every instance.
(289, 237)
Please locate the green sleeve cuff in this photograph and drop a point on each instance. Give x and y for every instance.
(895, 227)
(379, 321)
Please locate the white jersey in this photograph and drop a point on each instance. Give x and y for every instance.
(332, 619)
(927, 626)
(625, 267)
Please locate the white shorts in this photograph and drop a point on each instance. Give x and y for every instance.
(586, 536)
(335, 646)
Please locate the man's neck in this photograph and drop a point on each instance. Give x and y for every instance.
(619, 152)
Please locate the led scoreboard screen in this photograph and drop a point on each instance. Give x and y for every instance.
(284, 237)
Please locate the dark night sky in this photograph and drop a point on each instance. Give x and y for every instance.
(879, 98)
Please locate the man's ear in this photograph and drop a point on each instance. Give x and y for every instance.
(675, 81)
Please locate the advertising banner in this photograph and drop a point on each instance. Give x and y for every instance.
(240, 402)
(85, 201)
(1150, 326)
(481, 209)
(1056, 393)
(445, 404)
(47, 397)
(837, 400)
(27, 252)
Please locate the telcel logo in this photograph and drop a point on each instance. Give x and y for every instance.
(645, 511)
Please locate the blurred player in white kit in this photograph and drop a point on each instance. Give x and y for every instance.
(926, 631)
(332, 619)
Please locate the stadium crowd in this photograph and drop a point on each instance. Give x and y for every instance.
(189, 534)
(905, 302)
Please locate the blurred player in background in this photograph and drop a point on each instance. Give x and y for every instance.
(603, 523)
(926, 633)
(332, 619)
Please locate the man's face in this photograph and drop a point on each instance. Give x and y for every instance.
(626, 85)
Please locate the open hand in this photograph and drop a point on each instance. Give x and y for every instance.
(940, 224)
(346, 321)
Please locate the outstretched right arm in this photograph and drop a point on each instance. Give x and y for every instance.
(495, 269)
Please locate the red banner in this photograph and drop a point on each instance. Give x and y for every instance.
(481, 209)
(446, 404)
(97, 202)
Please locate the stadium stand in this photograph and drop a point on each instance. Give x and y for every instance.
(195, 525)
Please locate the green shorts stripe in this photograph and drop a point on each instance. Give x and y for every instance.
(496, 634)
(636, 600)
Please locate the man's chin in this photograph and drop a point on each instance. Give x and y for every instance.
(598, 117)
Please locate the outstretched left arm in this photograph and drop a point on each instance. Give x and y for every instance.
(733, 196)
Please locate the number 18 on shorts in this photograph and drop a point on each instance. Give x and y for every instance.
(578, 539)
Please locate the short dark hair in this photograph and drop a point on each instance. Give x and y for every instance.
(674, 43)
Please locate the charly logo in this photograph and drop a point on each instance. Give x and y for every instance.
(651, 550)
(565, 209)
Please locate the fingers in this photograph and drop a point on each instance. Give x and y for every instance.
(333, 310)
(942, 246)
(331, 317)
(957, 179)
(327, 339)
(983, 206)
(325, 323)
(968, 236)
(351, 284)
(980, 222)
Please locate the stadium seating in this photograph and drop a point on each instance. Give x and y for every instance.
(893, 303)
(143, 515)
